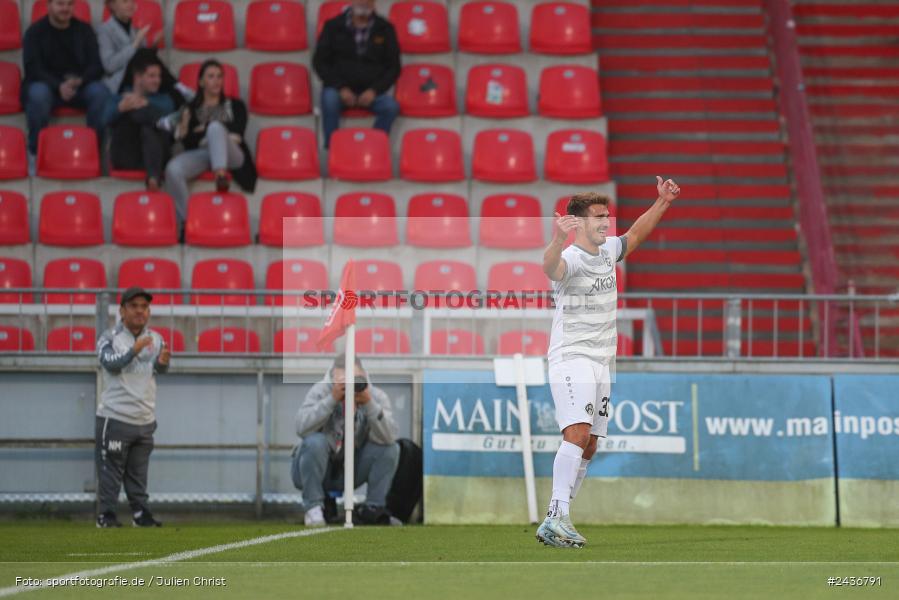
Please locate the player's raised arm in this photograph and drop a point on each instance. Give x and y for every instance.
(643, 226)
(553, 263)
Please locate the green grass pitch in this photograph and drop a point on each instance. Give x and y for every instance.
(424, 562)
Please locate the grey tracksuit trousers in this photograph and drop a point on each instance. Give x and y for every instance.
(123, 456)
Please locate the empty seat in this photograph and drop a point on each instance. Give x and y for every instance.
(425, 90)
(382, 340)
(276, 26)
(68, 152)
(560, 28)
(291, 219)
(72, 339)
(445, 276)
(10, 88)
(10, 25)
(13, 157)
(365, 219)
(147, 13)
(287, 154)
(15, 339)
(576, 156)
(360, 155)
(217, 220)
(438, 221)
(517, 277)
(294, 275)
(144, 219)
(625, 345)
(222, 274)
(70, 218)
(421, 27)
(13, 219)
(189, 76)
(504, 156)
(456, 341)
(152, 274)
(172, 338)
(14, 273)
(433, 155)
(379, 276)
(82, 11)
(569, 92)
(489, 28)
(300, 340)
(530, 342)
(327, 11)
(280, 88)
(77, 273)
(511, 221)
(497, 91)
(228, 340)
(204, 25)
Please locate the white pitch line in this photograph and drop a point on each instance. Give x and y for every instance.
(177, 557)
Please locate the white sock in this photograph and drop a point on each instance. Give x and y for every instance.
(565, 467)
(581, 473)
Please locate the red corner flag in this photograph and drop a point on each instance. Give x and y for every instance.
(343, 313)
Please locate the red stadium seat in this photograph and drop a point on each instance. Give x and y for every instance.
(222, 274)
(569, 92)
(190, 73)
(172, 338)
(299, 340)
(291, 219)
(497, 91)
(148, 12)
(68, 152)
(489, 28)
(421, 27)
(365, 219)
(15, 339)
(433, 155)
(13, 157)
(504, 156)
(382, 340)
(144, 219)
(379, 276)
(438, 221)
(445, 276)
(14, 273)
(80, 273)
(511, 221)
(560, 28)
(280, 88)
(425, 90)
(530, 342)
(70, 218)
(625, 345)
(72, 339)
(204, 26)
(14, 229)
(287, 154)
(10, 25)
(82, 11)
(276, 26)
(327, 11)
(228, 340)
(152, 274)
(456, 342)
(10, 88)
(217, 220)
(576, 156)
(360, 155)
(294, 275)
(519, 276)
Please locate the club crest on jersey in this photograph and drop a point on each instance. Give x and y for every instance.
(589, 409)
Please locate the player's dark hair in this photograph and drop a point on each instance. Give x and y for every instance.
(579, 203)
(340, 362)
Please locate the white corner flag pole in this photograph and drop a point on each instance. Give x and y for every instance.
(524, 419)
(349, 423)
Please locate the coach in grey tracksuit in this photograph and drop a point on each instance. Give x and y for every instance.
(320, 422)
(130, 355)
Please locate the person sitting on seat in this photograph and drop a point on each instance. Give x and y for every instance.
(119, 41)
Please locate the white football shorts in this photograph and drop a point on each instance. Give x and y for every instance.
(581, 389)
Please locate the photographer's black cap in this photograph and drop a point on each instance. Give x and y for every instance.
(135, 292)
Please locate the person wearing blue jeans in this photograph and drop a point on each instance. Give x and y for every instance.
(40, 101)
(334, 101)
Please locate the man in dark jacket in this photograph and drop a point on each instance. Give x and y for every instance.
(358, 60)
(62, 68)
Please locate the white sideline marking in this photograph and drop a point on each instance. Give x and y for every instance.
(177, 557)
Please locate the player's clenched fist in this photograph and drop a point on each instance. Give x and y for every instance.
(668, 190)
(565, 225)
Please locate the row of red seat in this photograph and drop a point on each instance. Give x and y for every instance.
(287, 219)
(291, 154)
(280, 25)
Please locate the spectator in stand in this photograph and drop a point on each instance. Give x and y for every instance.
(211, 129)
(358, 60)
(62, 68)
(119, 40)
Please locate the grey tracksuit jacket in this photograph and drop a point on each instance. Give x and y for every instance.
(128, 380)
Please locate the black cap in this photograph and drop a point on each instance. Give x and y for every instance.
(134, 292)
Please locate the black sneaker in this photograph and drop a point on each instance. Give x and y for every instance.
(371, 515)
(144, 518)
(107, 520)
